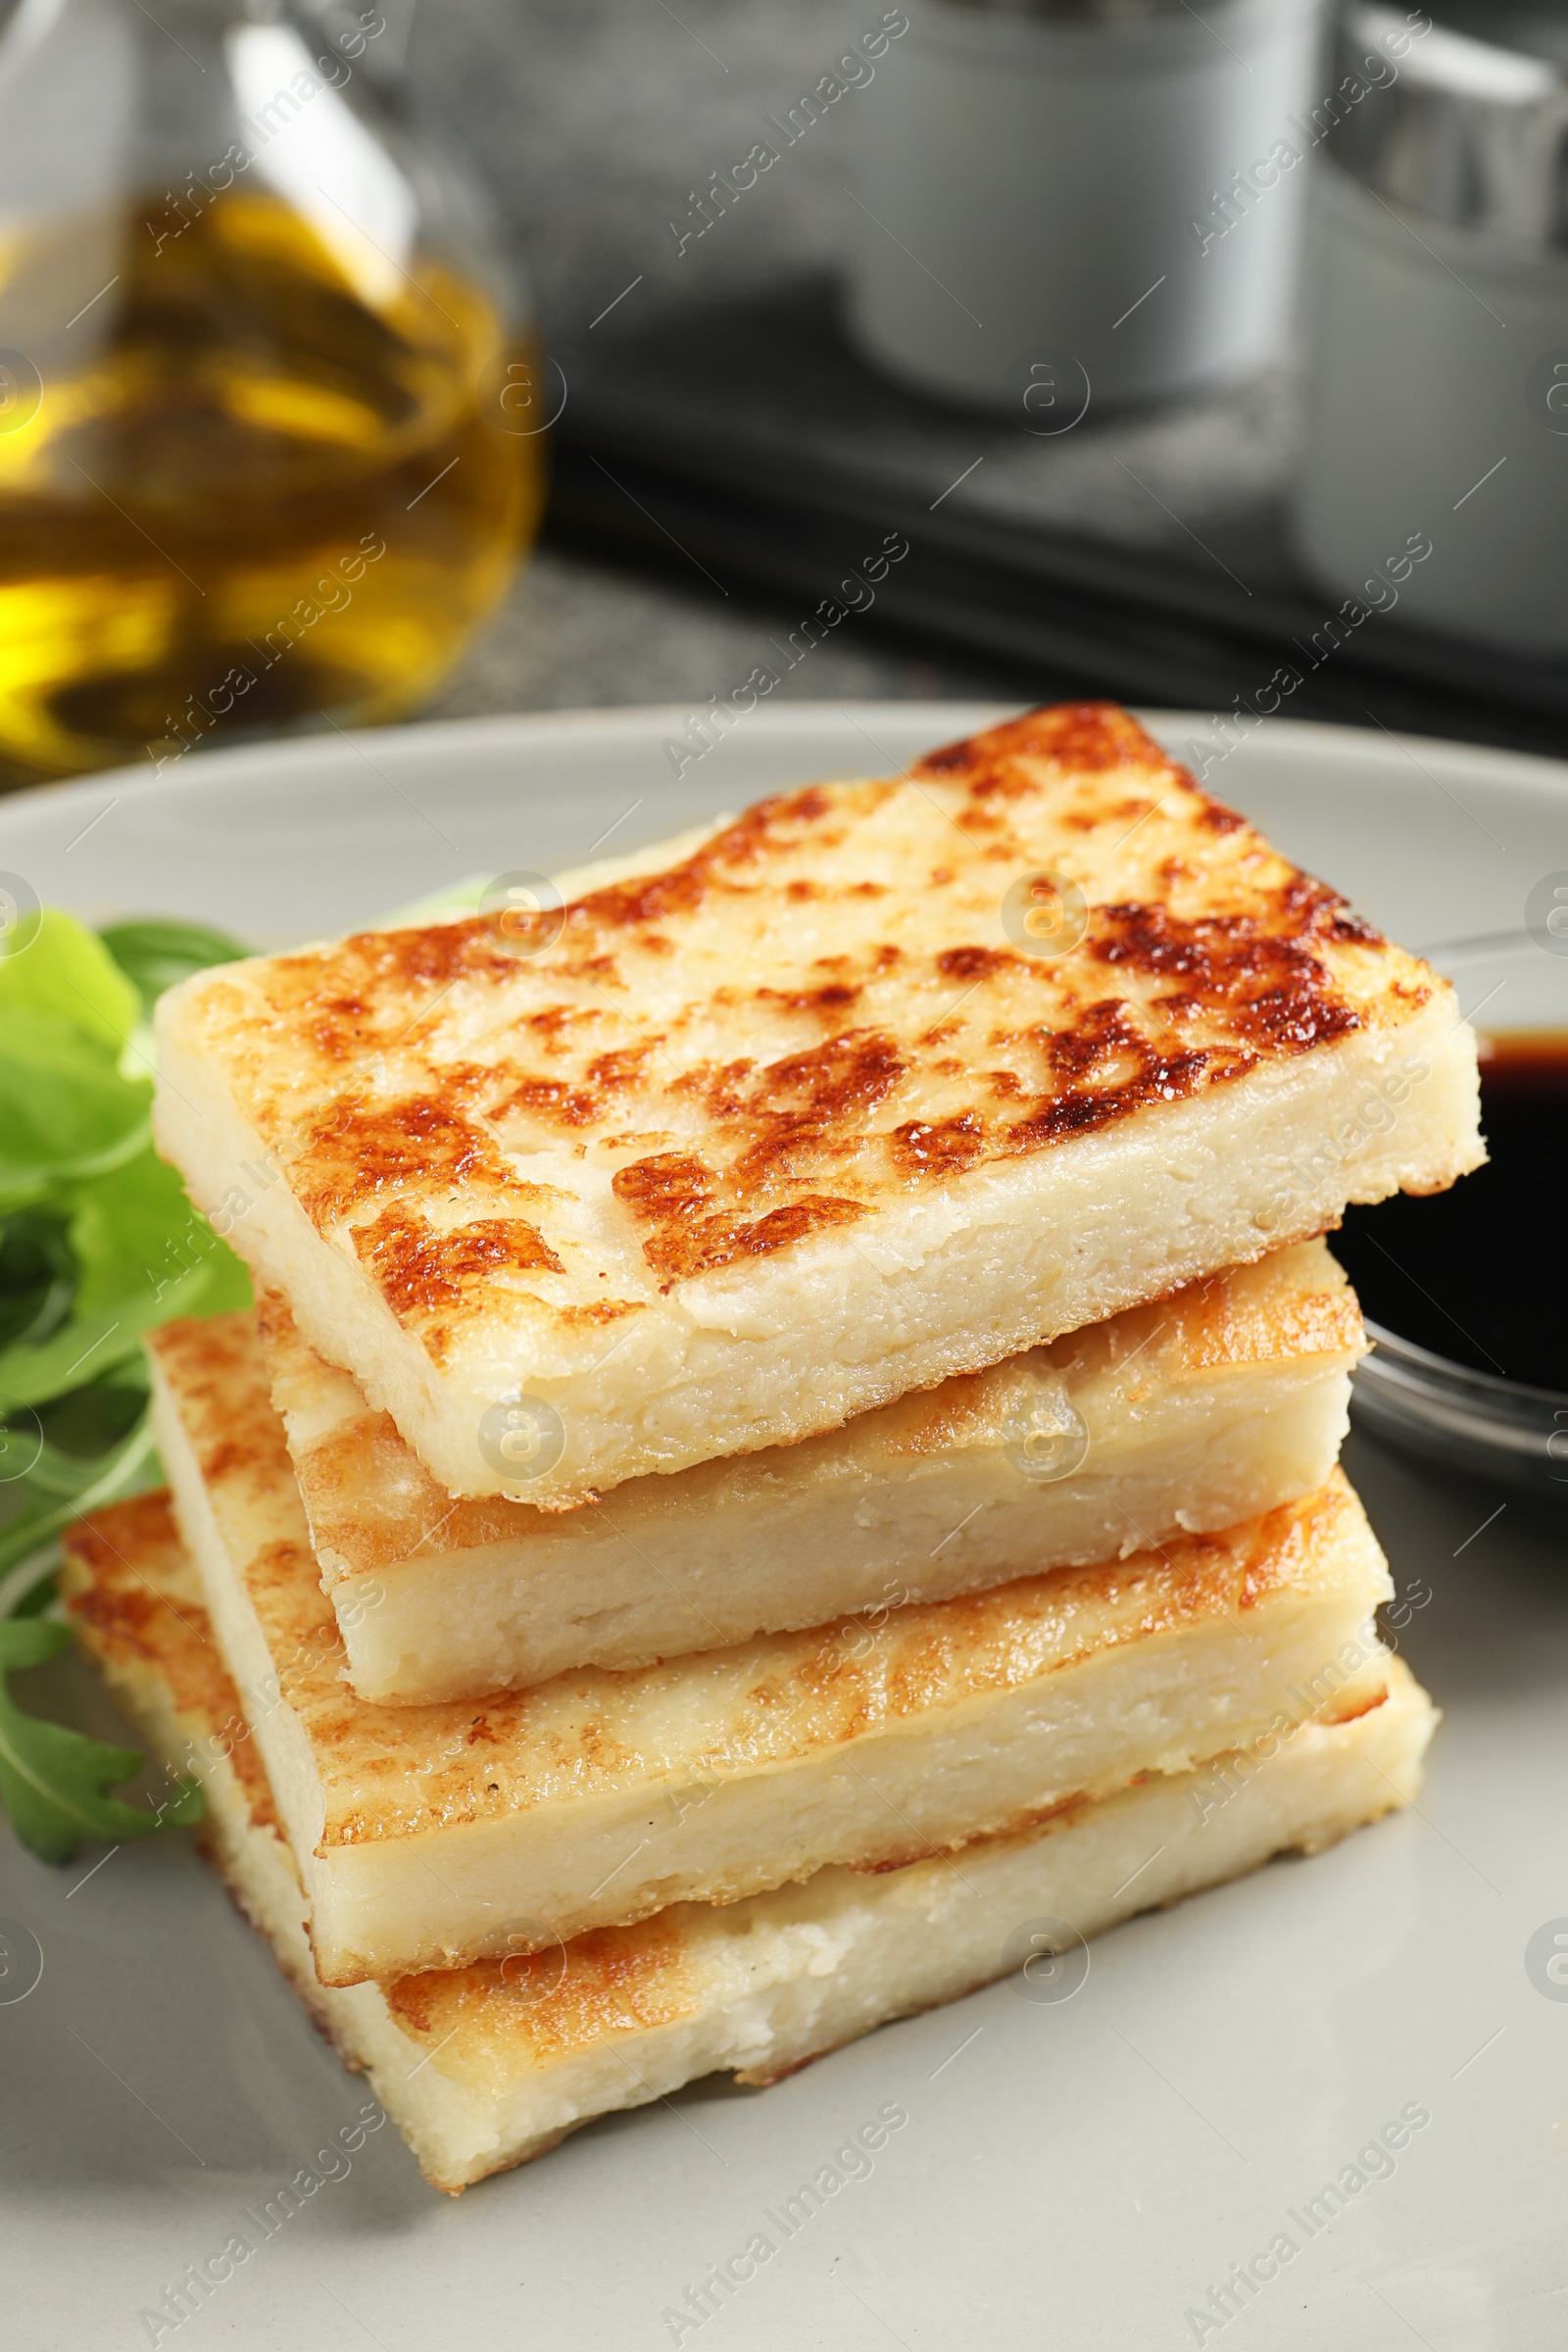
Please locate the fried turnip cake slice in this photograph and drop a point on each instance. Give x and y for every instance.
(484, 2066)
(1209, 1408)
(880, 1083)
(429, 1836)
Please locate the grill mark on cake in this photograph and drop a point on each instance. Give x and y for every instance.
(562, 1998)
(1104, 1034)
(832, 998)
(354, 1152)
(555, 1101)
(801, 1105)
(840, 1080)
(624, 1067)
(1162, 1078)
(1291, 1327)
(466, 1084)
(665, 1187)
(717, 1086)
(966, 1410)
(422, 1272)
(972, 963)
(943, 1147)
(554, 1020)
(230, 1458)
(677, 1252)
(1265, 983)
(382, 965)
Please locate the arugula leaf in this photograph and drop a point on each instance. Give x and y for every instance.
(136, 1231)
(38, 1597)
(66, 970)
(37, 1275)
(66, 1112)
(142, 1255)
(124, 1469)
(54, 1782)
(29, 1527)
(155, 954)
(97, 1243)
(74, 1436)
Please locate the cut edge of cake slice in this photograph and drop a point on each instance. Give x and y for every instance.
(485, 2067)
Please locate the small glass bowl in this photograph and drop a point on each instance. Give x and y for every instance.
(1463, 1420)
(1458, 1419)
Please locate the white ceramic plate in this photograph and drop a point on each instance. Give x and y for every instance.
(1070, 2176)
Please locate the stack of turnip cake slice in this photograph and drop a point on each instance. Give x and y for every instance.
(790, 1427)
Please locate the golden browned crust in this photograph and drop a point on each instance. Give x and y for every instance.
(134, 1600)
(1246, 1315)
(130, 1589)
(371, 1502)
(820, 1011)
(487, 2026)
(391, 1771)
(568, 1997)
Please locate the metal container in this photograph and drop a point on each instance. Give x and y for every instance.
(1436, 322)
(1059, 199)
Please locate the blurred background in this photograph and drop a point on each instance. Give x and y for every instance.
(494, 355)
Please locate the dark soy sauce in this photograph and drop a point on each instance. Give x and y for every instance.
(1479, 1274)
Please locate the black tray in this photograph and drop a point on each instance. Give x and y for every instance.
(1137, 556)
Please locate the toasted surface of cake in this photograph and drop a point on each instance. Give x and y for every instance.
(882, 1082)
(485, 2066)
(433, 1835)
(1205, 1409)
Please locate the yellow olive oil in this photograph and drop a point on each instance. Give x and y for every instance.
(270, 475)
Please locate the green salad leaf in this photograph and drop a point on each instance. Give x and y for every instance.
(37, 1276)
(98, 1244)
(142, 1255)
(54, 1782)
(120, 1469)
(70, 972)
(136, 1230)
(155, 954)
(66, 1112)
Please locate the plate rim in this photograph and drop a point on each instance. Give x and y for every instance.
(231, 768)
